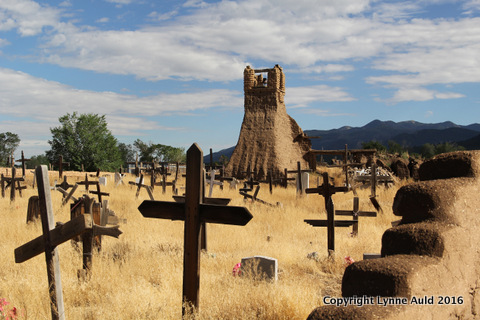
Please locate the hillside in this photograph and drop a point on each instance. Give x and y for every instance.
(406, 133)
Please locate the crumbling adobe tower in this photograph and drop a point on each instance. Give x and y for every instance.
(269, 138)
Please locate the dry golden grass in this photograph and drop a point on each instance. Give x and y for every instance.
(139, 275)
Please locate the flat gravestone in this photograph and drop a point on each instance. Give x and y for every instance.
(265, 267)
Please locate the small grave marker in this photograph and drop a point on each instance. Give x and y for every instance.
(265, 267)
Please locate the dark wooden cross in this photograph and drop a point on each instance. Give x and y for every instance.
(64, 185)
(23, 160)
(253, 197)
(327, 190)
(299, 175)
(60, 166)
(99, 193)
(48, 242)
(89, 235)
(11, 182)
(355, 213)
(140, 185)
(194, 212)
(87, 183)
(68, 195)
(285, 178)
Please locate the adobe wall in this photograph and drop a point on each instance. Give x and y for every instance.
(269, 138)
(433, 252)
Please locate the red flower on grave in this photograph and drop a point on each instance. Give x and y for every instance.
(236, 270)
(348, 261)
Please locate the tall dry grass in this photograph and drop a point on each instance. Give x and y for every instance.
(139, 275)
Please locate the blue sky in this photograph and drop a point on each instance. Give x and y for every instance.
(171, 72)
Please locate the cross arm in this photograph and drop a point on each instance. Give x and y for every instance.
(324, 223)
(58, 235)
(107, 231)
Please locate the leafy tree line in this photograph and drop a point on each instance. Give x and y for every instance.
(426, 151)
(84, 139)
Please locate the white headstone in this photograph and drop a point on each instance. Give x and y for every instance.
(102, 181)
(265, 267)
(305, 181)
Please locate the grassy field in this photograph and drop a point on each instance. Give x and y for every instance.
(139, 275)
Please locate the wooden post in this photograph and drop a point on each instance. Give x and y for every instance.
(194, 212)
(23, 160)
(12, 185)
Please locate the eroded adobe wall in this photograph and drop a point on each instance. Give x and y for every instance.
(269, 137)
(433, 252)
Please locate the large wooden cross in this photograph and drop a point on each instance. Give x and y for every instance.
(194, 212)
(327, 190)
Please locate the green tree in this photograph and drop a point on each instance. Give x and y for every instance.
(394, 147)
(127, 152)
(150, 152)
(9, 142)
(374, 145)
(84, 140)
(428, 150)
(447, 147)
(36, 161)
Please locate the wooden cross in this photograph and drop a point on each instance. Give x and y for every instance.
(89, 235)
(68, 195)
(141, 185)
(299, 175)
(119, 178)
(327, 190)
(99, 193)
(64, 185)
(60, 166)
(23, 160)
(254, 198)
(48, 242)
(87, 183)
(10, 182)
(212, 182)
(355, 213)
(194, 212)
(285, 178)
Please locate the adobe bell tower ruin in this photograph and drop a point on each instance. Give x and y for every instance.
(269, 138)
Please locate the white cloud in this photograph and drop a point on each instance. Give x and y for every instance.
(421, 94)
(28, 17)
(301, 97)
(25, 97)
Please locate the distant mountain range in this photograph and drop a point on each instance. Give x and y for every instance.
(409, 134)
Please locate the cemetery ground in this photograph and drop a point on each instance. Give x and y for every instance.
(139, 275)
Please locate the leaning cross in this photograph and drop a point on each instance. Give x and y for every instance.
(194, 212)
(140, 185)
(327, 190)
(48, 242)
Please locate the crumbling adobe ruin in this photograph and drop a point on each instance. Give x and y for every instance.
(431, 257)
(269, 138)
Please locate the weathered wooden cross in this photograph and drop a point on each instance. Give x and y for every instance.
(211, 182)
(23, 160)
(60, 164)
(140, 185)
(99, 193)
(68, 195)
(87, 182)
(48, 242)
(194, 212)
(327, 190)
(64, 185)
(355, 213)
(11, 182)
